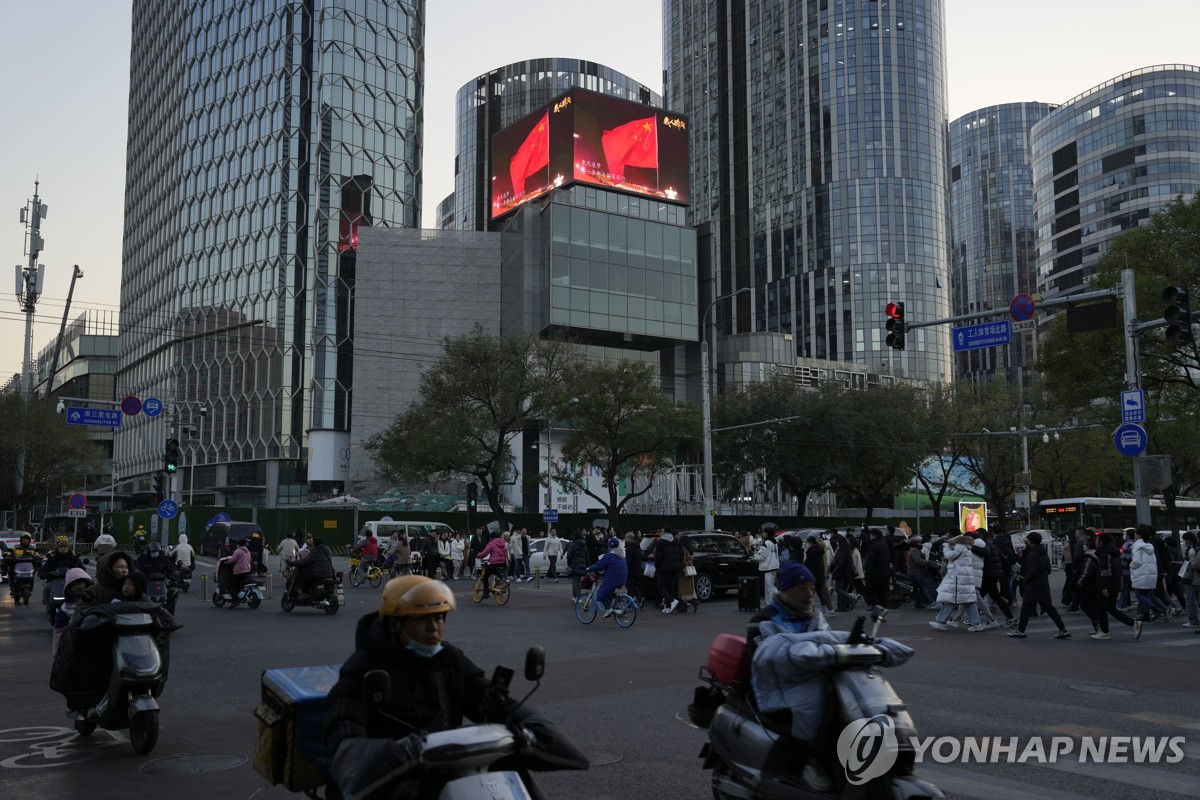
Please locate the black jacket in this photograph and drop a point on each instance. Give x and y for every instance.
(428, 694)
(667, 556)
(1035, 574)
(878, 563)
(317, 563)
(56, 560)
(993, 565)
(577, 556)
(1109, 569)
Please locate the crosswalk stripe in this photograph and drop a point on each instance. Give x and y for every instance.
(986, 786)
(1145, 778)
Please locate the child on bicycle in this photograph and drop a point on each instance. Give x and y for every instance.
(616, 572)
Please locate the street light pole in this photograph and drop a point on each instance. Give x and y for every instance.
(549, 441)
(709, 522)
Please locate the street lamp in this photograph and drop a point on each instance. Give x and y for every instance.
(549, 441)
(709, 523)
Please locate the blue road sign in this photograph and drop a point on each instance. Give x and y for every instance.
(1021, 308)
(107, 418)
(985, 334)
(1133, 406)
(152, 406)
(1130, 439)
(167, 509)
(550, 515)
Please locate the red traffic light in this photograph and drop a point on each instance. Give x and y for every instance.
(894, 310)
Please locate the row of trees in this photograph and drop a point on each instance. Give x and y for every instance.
(43, 456)
(865, 445)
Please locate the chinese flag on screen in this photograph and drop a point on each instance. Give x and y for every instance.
(532, 155)
(634, 144)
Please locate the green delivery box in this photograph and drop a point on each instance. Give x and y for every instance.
(290, 748)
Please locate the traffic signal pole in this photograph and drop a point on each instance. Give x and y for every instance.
(1125, 292)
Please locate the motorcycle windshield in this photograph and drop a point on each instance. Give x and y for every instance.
(24, 569)
(138, 657)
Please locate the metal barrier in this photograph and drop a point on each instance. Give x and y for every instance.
(204, 587)
(270, 586)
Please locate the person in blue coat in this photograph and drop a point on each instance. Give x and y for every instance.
(615, 570)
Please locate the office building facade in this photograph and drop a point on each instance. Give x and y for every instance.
(819, 158)
(993, 256)
(501, 97)
(1105, 161)
(262, 136)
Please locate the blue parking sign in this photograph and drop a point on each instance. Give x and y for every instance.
(1130, 439)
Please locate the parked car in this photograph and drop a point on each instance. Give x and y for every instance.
(720, 559)
(216, 540)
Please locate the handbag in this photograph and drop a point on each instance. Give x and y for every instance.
(648, 569)
(690, 570)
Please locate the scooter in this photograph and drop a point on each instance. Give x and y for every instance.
(21, 580)
(252, 593)
(183, 577)
(753, 756)
(137, 675)
(461, 761)
(162, 591)
(56, 593)
(328, 594)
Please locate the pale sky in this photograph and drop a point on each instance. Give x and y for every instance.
(66, 81)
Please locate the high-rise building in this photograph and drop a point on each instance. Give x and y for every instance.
(262, 135)
(498, 99)
(1105, 161)
(993, 255)
(819, 157)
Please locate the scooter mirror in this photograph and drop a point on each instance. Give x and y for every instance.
(535, 663)
(377, 687)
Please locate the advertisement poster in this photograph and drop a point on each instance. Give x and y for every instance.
(972, 516)
(585, 137)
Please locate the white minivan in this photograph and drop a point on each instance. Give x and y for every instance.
(384, 530)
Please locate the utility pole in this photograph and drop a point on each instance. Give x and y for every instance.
(29, 279)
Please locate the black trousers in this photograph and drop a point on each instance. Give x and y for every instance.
(876, 591)
(991, 588)
(1047, 608)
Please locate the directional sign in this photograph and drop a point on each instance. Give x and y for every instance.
(1133, 406)
(1021, 308)
(167, 509)
(152, 406)
(131, 405)
(1024, 326)
(1130, 439)
(76, 512)
(77, 500)
(550, 515)
(985, 334)
(93, 416)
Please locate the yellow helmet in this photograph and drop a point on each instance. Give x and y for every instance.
(61, 540)
(415, 596)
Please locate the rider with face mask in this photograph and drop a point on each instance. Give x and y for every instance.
(434, 685)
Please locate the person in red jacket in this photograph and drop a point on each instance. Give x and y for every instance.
(495, 558)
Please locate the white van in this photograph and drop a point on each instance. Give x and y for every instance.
(385, 529)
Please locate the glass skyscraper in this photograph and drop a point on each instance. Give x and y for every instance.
(818, 147)
(993, 255)
(503, 96)
(1105, 161)
(261, 136)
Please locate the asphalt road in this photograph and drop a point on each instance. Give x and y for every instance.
(620, 694)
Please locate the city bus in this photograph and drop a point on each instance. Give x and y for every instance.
(1112, 514)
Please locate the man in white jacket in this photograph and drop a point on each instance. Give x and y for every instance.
(553, 551)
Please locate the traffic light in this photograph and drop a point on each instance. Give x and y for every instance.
(896, 326)
(172, 456)
(472, 505)
(1178, 315)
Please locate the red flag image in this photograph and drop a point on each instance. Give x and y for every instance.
(531, 156)
(634, 144)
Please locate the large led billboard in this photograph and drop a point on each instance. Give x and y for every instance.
(584, 137)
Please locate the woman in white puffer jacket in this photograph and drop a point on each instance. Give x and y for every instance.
(958, 586)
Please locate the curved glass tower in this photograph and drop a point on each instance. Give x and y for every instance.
(262, 135)
(992, 231)
(503, 96)
(818, 156)
(1105, 161)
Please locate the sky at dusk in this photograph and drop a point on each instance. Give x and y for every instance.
(65, 96)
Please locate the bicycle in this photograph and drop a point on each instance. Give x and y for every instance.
(497, 587)
(371, 573)
(624, 606)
